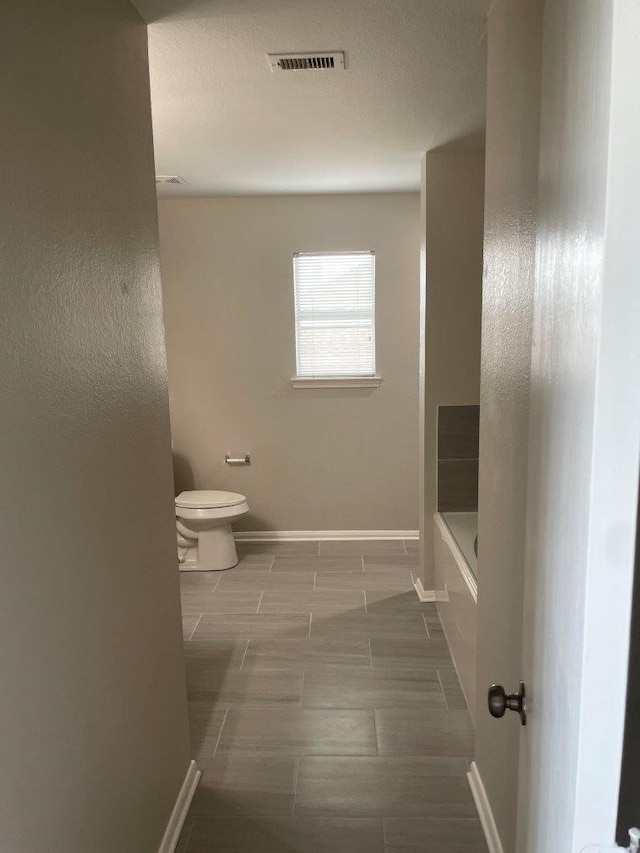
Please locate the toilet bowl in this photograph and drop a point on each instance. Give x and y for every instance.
(203, 526)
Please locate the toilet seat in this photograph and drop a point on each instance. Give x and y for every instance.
(209, 499)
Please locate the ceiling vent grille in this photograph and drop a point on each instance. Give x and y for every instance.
(324, 61)
(172, 180)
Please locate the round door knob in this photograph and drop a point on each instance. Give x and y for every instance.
(500, 702)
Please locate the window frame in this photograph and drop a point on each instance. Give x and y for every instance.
(340, 380)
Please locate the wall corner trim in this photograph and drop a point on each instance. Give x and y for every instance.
(429, 594)
(424, 594)
(484, 810)
(180, 810)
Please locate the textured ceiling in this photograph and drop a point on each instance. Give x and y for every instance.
(415, 80)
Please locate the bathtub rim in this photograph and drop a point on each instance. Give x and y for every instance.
(468, 576)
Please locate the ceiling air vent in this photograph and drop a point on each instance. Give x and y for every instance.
(324, 61)
(170, 179)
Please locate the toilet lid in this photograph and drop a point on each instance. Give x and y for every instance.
(209, 500)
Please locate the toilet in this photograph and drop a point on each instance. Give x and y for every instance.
(203, 524)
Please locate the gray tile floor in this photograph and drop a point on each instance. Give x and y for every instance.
(326, 715)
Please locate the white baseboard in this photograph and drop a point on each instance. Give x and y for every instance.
(317, 535)
(180, 810)
(429, 594)
(484, 810)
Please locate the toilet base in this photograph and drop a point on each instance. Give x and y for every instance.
(213, 551)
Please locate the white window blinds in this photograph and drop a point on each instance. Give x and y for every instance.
(335, 314)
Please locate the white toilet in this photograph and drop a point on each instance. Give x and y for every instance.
(205, 537)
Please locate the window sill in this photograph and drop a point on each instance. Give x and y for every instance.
(336, 381)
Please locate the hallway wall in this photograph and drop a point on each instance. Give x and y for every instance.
(322, 459)
(451, 289)
(93, 711)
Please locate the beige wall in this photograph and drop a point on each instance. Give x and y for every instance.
(93, 711)
(512, 168)
(338, 459)
(452, 222)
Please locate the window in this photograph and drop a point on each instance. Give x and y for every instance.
(335, 318)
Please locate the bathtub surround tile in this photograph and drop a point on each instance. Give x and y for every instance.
(359, 688)
(435, 835)
(244, 689)
(410, 655)
(407, 731)
(383, 579)
(458, 432)
(306, 655)
(318, 602)
(286, 835)
(189, 623)
(261, 581)
(458, 485)
(362, 547)
(246, 787)
(298, 731)
(317, 564)
(271, 549)
(383, 787)
(219, 626)
(387, 626)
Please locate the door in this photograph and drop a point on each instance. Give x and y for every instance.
(584, 431)
(560, 416)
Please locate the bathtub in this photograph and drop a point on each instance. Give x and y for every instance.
(456, 584)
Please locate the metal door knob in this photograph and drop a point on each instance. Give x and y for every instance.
(500, 702)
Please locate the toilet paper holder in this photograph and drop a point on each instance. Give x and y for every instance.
(238, 460)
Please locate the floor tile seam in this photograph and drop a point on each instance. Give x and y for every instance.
(375, 729)
(195, 626)
(310, 812)
(426, 627)
(260, 601)
(444, 693)
(304, 673)
(416, 706)
(235, 752)
(387, 843)
(310, 622)
(224, 720)
(246, 649)
(420, 819)
(404, 545)
(189, 825)
(366, 609)
(295, 785)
